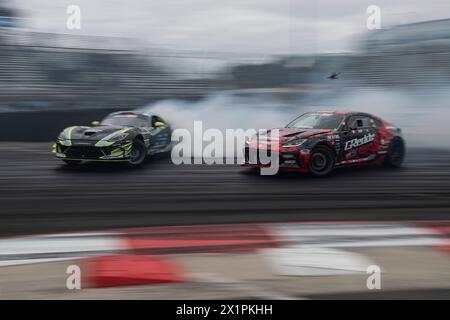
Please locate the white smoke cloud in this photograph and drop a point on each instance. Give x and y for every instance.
(423, 117)
(223, 111)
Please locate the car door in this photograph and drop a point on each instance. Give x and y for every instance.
(359, 139)
(145, 130)
(160, 132)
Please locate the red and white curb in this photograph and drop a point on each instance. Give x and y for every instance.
(136, 256)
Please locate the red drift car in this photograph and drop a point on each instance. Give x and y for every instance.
(317, 142)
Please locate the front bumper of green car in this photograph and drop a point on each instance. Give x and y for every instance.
(87, 150)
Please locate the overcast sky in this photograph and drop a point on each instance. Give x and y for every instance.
(253, 26)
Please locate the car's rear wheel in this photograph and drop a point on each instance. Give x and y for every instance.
(138, 153)
(72, 162)
(396, 154)
(321, 162)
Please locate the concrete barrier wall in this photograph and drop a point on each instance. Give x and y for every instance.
(44, 125)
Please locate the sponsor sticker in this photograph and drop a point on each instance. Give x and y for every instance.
(354, 143)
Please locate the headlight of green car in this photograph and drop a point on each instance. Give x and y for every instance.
(119, 137)
(112, 139)
(64, 137)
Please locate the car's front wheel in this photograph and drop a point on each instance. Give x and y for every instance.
(321, 162)
(138, 153)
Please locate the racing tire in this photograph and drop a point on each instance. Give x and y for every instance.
(395, 155)
(138, 153)
(321, 162)
(72, 162)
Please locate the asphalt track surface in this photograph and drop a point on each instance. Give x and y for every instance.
(39, 194)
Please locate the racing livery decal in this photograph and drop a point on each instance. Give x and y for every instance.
(317, 142)
(126, 136)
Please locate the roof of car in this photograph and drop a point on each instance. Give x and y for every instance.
(137, 113)
(346, 112)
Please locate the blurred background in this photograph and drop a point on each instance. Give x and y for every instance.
(213, 57)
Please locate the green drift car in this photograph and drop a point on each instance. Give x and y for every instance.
(125, 136)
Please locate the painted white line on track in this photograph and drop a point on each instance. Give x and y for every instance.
(364, 230)
(310, 249)
(361, 235)
(79, 235)
(307, 261)
(42, 245)
(360, 243)
(10, 263)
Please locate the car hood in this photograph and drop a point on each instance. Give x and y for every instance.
(93, 133)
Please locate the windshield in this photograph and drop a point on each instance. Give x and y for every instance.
(317, 121)
(129, 121)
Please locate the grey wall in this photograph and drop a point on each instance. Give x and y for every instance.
(44, 125)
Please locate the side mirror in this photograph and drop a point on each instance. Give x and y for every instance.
(158, 124)
(95, 123)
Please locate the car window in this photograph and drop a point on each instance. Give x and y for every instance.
(156, 119)
(317, 121)
(124, 120)
(360, 122)
(374, 122)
